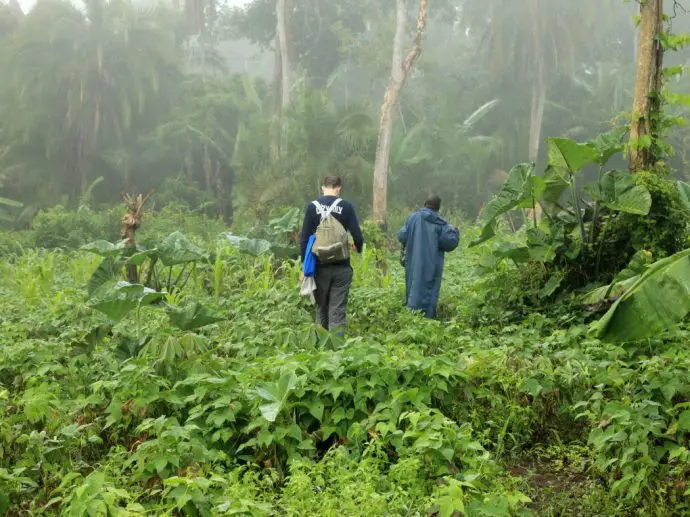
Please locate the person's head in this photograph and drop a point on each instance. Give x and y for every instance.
(332, 185)
(433, 202)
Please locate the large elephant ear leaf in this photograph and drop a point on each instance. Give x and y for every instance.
(618, 191)
(568, 154)
(109, 269)
(104, 248)
(287, 223)
(123, 298)
(516, 190)
(609, 144)
(178, 249)
(657, 301)
(247, 245)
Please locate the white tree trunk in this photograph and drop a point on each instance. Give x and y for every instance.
(282, 44)
(648, 79)
(380, 208)
(538, 87)
(536, 118)
(400, 71)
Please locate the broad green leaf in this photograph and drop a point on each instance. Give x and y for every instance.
(516, 190)
(551, 286)
(622, 281)
(177, 249)
(555, 183)
(515, 252)
(276, 394)
(138, 258)
(252, 246)
(542, 246)
(192, 316)
(684, 421)
(532, 386)
(104, 248)
(618, 191)
(657, 301)
(609, 144)
(287, 223)
(109, 269)
(123, 298)
(599, 295)
(570, 155)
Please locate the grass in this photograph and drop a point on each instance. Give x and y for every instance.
(262, 414)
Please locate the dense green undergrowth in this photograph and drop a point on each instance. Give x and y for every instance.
(262, 414)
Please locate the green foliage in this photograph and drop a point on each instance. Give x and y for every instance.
(62, 228)
(653, 301)
(665, 230)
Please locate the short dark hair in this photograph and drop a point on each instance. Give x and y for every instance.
(433, 202)
(332, 182)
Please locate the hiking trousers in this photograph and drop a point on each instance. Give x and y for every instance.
(332, 291)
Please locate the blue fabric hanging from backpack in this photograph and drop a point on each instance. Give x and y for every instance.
(309, 266)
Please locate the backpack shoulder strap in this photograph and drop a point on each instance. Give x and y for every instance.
(325, 211)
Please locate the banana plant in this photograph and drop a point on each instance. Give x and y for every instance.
(656, 300)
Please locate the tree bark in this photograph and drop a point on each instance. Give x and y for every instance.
(400, 71)
(648, 83)
(277, 103)
(282, 42)
(538, 88)
(129, 224)
(536, 118)
(282, 47)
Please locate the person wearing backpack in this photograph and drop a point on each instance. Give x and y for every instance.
(426, 238)
(330, 219)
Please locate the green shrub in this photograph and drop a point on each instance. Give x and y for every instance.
(58, 227)
(664, 231)
(182, 193)
(196, 226)
(13, 242)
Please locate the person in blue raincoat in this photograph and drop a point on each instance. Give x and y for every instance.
(426, 238)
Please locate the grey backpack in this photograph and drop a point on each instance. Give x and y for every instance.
(330, 239)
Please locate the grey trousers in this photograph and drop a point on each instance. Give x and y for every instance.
(332, 291)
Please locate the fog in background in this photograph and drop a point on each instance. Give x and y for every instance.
(188, 98)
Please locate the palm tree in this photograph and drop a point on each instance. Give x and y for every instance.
(529, 42)
(80, 77)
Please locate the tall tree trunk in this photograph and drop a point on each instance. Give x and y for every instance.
(538, 87)
(281, 33)
(131, 221)
(283, 80)
(400, 71)
(536, 118)
(648, 83)
(195, 16)
(277, 104)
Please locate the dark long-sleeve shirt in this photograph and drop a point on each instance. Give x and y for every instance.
(344, 213)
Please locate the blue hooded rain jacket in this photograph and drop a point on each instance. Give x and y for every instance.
(427, 237)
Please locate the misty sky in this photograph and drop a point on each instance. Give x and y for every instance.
(28, 4)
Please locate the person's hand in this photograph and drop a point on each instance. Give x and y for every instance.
(301, 277)
(354, 248)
